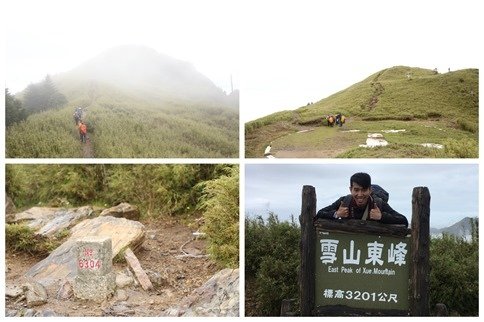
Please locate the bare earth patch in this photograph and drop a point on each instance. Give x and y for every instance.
(160, 252)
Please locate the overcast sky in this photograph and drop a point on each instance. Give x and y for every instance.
(278, 187)
(282, 54)
(303, 51)
(53, 36)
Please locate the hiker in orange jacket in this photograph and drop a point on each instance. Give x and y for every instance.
(82, 131)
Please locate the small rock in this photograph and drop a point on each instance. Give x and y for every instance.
(29, 313)
(46, 313)
(35, 294)
(155, 278)
(123, 210)
(123, 280)
(11, 313)
(121, 295)
(13, 291)
(65, 292)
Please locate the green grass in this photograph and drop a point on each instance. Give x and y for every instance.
(126, 127)
(433, 108)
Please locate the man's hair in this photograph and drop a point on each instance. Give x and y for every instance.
(362, 179)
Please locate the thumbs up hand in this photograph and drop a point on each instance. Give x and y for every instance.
(342, 211)
(375, 213)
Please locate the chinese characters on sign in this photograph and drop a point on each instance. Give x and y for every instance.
(365, 271)
(360, 296)
(88, 261)
(329, 250)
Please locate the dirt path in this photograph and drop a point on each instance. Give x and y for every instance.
(179, 276)
(87, 150)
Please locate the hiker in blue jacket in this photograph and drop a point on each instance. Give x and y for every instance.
(362, 204)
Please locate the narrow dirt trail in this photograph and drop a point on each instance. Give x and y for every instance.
(87, 150)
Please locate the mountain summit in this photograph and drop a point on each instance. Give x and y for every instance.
(136, 103)
(143, 72)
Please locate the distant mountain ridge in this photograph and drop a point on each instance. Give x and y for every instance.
(462, 228)
(142, 72)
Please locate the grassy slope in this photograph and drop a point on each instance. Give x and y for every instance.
(386, 100)
(126, 126)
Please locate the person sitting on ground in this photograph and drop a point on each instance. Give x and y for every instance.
(82, 131)
(361, 204)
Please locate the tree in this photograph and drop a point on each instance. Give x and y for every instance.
(43, 96)
(14, 112)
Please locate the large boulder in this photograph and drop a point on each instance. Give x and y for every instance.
(34, 217)
(123, 210)
(61, 263)
(219, 296)
(49, 221)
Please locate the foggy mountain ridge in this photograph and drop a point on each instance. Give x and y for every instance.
(142, 72)
(461, 228)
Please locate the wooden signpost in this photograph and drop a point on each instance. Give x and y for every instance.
(364, 268)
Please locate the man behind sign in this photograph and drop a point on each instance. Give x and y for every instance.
(361, 204)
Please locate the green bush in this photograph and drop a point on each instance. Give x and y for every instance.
(158, 190)
(468, 125)
(220, 206)
(464, 148)
(271, 263)
(21, 238)
(454, 275)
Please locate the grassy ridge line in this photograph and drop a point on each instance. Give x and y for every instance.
(146, 132)
(425, 95)
(448, 101)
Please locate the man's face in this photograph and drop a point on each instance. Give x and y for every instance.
(360, 194)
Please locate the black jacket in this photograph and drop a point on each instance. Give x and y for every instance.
(388, 215)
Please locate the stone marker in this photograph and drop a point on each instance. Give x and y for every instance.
(61, 263)
(95, 278)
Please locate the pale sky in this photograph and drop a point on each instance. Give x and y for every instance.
(281, 54)
(54, 36)
(303, 51)
(278, 187)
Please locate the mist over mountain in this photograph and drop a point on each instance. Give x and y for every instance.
(142, 72)
(462, 228)
(136, 103)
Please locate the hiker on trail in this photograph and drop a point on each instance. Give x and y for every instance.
(362, 204)
(340, 119)
(82, 131)
(330, 120)
(77, 115)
